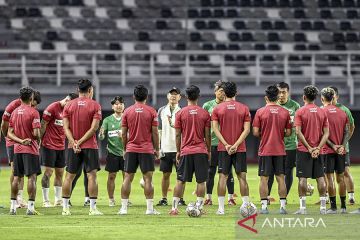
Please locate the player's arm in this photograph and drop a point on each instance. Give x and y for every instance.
(347, 135)
(178, 143)
(37, 134)
(103, 130)
(256, 132)
(91, 132)
(215, 128)
(11, 135)
(208, 138)
(4, 127)
(124, 134)
(351, 130)
(324, 137)
(243, 135)
(68, 132)
(155, 139)
(302, 139)
(43, 128)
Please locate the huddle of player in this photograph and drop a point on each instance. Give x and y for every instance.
(192, 139)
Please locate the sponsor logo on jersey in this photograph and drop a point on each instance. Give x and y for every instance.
(58, 122)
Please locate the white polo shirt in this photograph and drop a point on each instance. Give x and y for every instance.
(166, 125)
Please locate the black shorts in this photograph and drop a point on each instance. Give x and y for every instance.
(26, 164)
(214, 162)
(10, 153)
(52, 158)
(334, 163)
(89, 157)
(290, 161)
(308, 167)
(347, 160)
(133, 160)
(269, 165)
(191, 163)
(238, 160)
(114, 163)
(167, 162)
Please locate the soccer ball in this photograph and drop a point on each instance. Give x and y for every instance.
(142, 183)
(247, 209)
(310, 189)
(192, 210)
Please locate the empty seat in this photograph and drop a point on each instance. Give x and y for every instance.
(325, 14)
(273, 37)
(213, 25)
(279, 25)
(299, 37)
(239, 25)
(195, 37)
(231, 13)
(351, 37)
(352, 14)
(247, 37)
(166, 13)
(234, 36)
(266, 25)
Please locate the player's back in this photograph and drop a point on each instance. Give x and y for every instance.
(139, 119)
(80, 112)
(192, 120)
(272, 121)
(337, 122)
(54, 136)
(312, 119)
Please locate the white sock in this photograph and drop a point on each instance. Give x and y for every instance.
(31, 205)
(264, 203)
(86, 199)
(150, 204)
(221, 204)
(282, 203)
(58, 191)
(302, 202)
(111, 200)
(351, 195)
(13, 204)
(245, 199)
(124, 204)
(20, 195)
(66, 203)
(200, 202)
(322, 202)
(93, 203)
(209, 196)
(230, 196)
(175, 203)
(45, 193)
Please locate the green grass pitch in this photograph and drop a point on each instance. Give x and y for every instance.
(136, 225)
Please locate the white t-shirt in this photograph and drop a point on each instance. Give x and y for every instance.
(166, 125)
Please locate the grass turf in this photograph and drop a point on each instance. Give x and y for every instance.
(136, 225)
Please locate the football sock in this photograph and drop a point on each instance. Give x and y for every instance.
(175, 203)
(264, 203)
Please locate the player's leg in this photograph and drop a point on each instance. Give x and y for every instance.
(230, 188)
(304, 168)
(111, 187)
(224, 170)
(240, 165)
(131, 163)
(211, 174)
(201, 166)
(93, 189)
(166, 163)
(349, 181)
(265, 171)
(86, 189)
(113, 165)
(14, 192)
(289, 166)
(17, 171)
(92, 166)
(147, 166)
(270, 184)
(45, 184)
(279, 170)
(31, 169)
(182, 174)
(340, 169)
(31, 189)
(59, 173)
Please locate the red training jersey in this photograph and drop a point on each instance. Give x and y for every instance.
(81, 112)
(6, 117)
(272, 120)
(231, 116)
(312, 119)
(139, 119)
(192, 121)
(23, 120)
(54, 136)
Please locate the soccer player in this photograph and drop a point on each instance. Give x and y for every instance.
(140, 140)
(10, 149)
(24, 130)
(167, 142)
(271, 124)
(209, 106)
(192, 126)
(231, 124)
(335, 149)
(292, 106)
(81, 119)
(312, 130)
(348, 177)
(53, 149)
(111, 127)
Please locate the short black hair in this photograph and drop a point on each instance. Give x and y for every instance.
(192, 93)
(26, 94)
(310, 92)
(335, 89)
(140, 93)
(328, 94)
(72, 96)
(283, 85)
(84, 85)
(117, 98)
(218, 85)
(37, 97)
(230, 89)
(272, 93)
